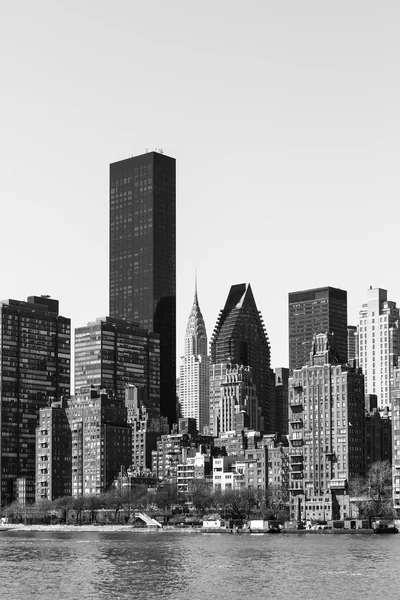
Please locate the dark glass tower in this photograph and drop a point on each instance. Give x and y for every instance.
(240, 338)
(35, 356)
(321, 310)
(143, 256)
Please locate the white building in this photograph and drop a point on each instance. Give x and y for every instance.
(378, 343)
(194, 370)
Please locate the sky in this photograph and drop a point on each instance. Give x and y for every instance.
(283, 118)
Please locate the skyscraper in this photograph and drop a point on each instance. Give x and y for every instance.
(240, 338)
(35, 355)
(320, 310)
(194, 370)
(378, 343)
(114, 353)
(143, 255)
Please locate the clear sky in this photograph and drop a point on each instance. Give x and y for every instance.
(283, 117)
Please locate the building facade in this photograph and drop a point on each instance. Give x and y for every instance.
(172, 448)
(112, 354)
(320, 310)
(143, 255)
(281, 399)
(240, 338)
(194, 381)
(146, 429)
(247, 471)
(352, 340)
(238, 396)
(378, 343)
(395, 394)
(81, 445)
(53, 453)
(35, 356)
(326, 425)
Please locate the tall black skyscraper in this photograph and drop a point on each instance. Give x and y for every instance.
(321, 310)
(240, 338)
(143, 256)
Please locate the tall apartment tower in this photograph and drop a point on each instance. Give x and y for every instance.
(112, 354)
(240, 338)
(143, 256)
(326, 425)
(95, 465)
(194, 389)
(81, 445)
(378, 343)
(35, 355)
(53, 452)
(320, 310)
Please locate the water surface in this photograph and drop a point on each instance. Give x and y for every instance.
(187, 565)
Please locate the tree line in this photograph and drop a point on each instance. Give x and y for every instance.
(372, 495)
(163, 503)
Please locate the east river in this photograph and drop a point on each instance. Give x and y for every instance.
(185, 566)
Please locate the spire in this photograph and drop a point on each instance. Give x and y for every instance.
(196, 336)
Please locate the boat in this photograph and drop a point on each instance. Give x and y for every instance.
(384, 527)
(273, 529)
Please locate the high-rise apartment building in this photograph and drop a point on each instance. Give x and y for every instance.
(326, 426)
(114, 353)
(81, 445)
(101, 441)
(194, 394)
(35, 354)
(378, 343)
(320, 310)
(53, 453)
(143, 256)
(240, 338)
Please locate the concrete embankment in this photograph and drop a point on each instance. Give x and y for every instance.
(170, 528)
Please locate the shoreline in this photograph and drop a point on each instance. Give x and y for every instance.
(168, 528)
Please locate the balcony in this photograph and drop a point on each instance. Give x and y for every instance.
(295, 488)
(296, 422)
(296, 404)
(297, 442)
(296, 459)
(330, 455)
(297, 468)
(297, 385)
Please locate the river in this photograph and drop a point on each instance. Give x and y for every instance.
(197, 566)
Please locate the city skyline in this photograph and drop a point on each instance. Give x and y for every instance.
(291, 166)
